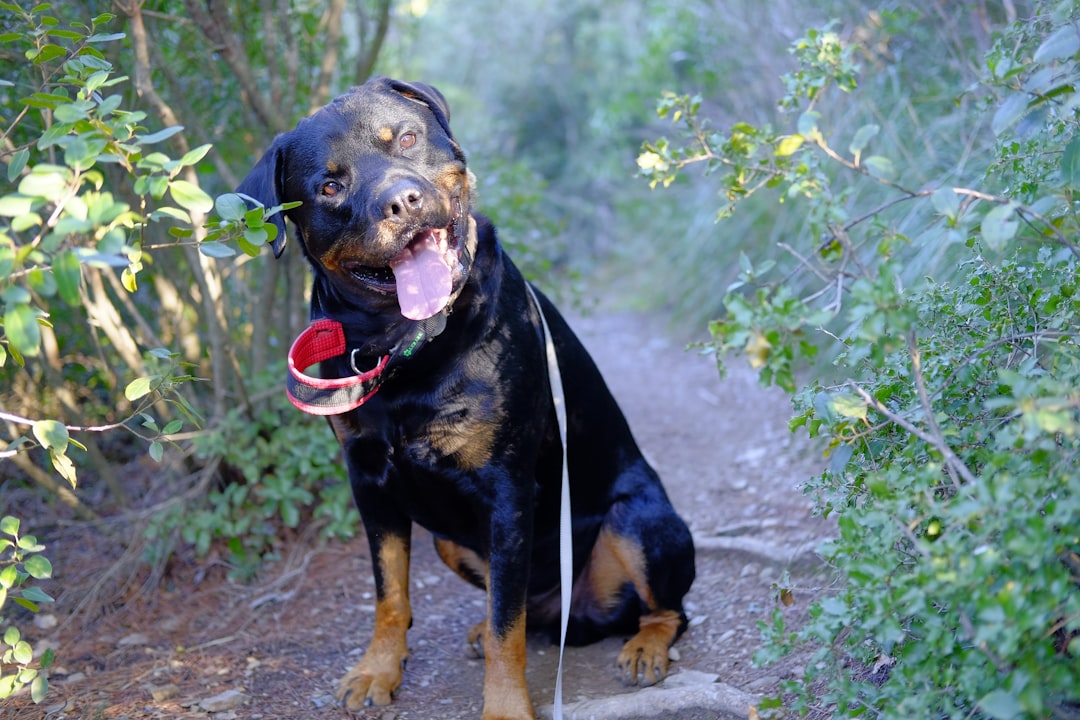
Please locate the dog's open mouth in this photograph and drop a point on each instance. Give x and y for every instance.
(422, 274)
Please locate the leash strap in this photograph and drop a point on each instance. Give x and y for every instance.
(566, 539)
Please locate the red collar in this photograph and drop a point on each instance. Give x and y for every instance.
(322, 340)
(325, 339)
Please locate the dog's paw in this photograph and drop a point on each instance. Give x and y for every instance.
(642, 663)
(644, 658)
(474, 641)
(368, 684)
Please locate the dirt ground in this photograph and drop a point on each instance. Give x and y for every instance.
(198, 646)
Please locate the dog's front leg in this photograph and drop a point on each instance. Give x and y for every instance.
(373, 680)
(506, 695)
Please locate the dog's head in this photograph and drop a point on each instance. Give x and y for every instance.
(385, 196)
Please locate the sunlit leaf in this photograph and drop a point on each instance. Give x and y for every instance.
(757, 350)
(51, 434)
(138, 387)
(850, 405)
(38, 566)
(190, 196)
(22, 330)
(789, 145)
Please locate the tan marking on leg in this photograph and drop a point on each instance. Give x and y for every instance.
(506, 695)
(373, 680)
(615, 561)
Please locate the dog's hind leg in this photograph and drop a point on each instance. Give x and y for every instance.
(642, 564)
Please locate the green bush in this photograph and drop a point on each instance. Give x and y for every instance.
(279, 471)
(950, 316)
(20, 561)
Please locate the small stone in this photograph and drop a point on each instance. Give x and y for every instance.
(45, 621)
(132, 640)
(222, 702)
(165, 692)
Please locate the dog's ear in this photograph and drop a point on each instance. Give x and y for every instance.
(265, 183)
(431, 97)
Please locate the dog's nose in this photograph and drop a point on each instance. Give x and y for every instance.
(404, 200)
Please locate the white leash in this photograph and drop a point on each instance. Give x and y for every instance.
(566, 541)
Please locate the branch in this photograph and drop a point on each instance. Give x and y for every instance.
(943, 447)
(924, 400)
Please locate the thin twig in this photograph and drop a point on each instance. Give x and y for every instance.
(950, 456)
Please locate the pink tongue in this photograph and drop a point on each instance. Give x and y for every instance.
(423, 279)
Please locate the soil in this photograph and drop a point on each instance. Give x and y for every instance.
(164, 647)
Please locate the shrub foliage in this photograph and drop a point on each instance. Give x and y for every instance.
(949, 317)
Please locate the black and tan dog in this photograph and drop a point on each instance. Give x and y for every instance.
(461, 436)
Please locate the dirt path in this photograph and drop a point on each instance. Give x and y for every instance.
(727, 460)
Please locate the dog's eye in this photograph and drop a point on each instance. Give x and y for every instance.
(331, 188)
(407, 141)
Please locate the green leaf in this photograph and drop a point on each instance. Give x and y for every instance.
(9, 525)
(16, 164)
(190, 196)
(230, 206)
(999, 226)
(138, 387)
(1070, 164)
(1001, 705)
(862, 138)
(808, 123)
(1014, 107)
(38, 566)
(216, 250)
(39, 688)
(9, 575)
(946, 202)
(879, 166)
(52, 434)
(22, 330)
(37, 595)
(195, 155)
(157, 451)
(160, 135)
(68, 273)
(1061, 44)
